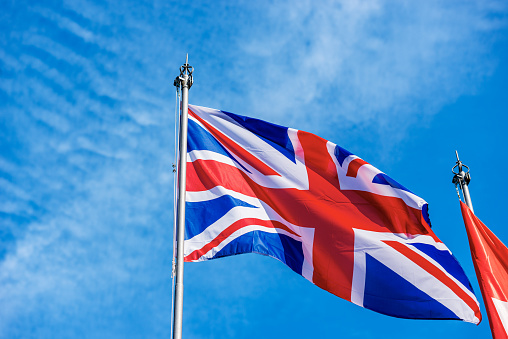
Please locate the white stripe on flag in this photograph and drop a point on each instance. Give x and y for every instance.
(502, 312)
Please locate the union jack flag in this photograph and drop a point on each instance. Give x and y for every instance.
(256, 187)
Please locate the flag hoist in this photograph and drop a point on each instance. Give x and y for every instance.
(182, 82)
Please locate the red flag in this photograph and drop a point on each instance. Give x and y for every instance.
(490, 258)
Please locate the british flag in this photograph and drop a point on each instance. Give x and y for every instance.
(257, 187)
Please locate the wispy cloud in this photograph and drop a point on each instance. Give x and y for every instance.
(372, 61)
(86, 205)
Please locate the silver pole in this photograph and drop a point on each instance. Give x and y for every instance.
(462, 178)
(185, 82)
(467, 197)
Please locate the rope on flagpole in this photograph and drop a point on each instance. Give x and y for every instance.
(184, 81)
(175, 174)
(175, 195)
(458, 193)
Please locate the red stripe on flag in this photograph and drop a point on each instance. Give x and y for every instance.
(235, 148)
(195, 255)
(436, 273)
(203, 175)
(317, 207)
(354, 166)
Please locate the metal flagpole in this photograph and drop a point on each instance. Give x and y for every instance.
(462, 178)
(184, 81)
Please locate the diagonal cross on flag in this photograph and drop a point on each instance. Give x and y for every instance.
(256, 187)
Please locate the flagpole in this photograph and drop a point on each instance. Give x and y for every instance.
(462, 178)
(184, 81)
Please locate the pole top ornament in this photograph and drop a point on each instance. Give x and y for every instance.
(460, 176)
(185, 78)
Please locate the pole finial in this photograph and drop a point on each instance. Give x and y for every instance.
(185, 78)
(462, 179)
(460, 175)
(458, 163)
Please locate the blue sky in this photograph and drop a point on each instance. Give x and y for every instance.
(87, 139)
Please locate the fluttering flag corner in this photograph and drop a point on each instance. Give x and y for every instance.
(490, 259)
(257, 187)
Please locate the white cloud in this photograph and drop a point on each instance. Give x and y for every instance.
(375, 62)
